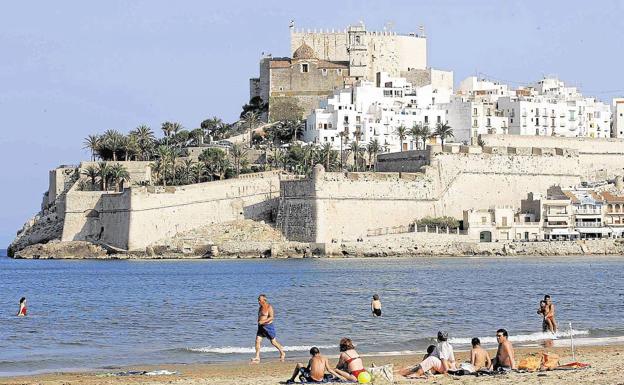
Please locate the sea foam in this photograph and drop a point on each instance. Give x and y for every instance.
(249, 350)
(540, 336)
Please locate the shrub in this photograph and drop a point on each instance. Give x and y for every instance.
(438, 221)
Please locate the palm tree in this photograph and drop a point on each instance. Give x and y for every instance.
(216, 162)
(91, 172)
(212, 126)
(373, 148)
(92, 142)
(401, 132)
(415, 132)
(199, 170)
(119, 174)
(344, 136)
(104, 172)
(144, 137)
(356, 149)
(425, 134)
(238, 152)
(113, 140)
(198, 137)
(251, 119)
(187, 171)
(443, 131)
(163, 155)
(170, 129)
(325, 154)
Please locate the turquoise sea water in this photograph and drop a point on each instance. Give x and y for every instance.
(94, 314)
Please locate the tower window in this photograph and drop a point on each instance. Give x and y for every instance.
(304, 67)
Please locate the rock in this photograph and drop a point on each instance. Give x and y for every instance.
(62, 250)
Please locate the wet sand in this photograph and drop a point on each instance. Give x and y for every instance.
(607, 368)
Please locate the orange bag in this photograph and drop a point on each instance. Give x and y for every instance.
(530, 363)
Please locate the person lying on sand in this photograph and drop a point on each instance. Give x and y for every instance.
(315, 371)
(429, 364)
(444, 351)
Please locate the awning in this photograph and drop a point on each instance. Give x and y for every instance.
(594, 230)
(563, 232)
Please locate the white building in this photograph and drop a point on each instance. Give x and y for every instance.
(617, 128)
(371, 111)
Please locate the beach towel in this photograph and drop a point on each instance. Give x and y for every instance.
(573, 366)
(531, 363)
(549, 361)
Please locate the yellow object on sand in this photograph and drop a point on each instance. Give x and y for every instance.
(364, 378)
(530, 363)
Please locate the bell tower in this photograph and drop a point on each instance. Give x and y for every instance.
(357, 49)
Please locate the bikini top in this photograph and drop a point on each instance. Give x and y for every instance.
(350, 358)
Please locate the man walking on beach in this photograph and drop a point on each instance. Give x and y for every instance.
(266, 328)
(504, 359)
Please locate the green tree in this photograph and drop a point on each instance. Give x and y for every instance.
(357, 151)
(373, 148)
(91, 172)
(144, 138)
(186, 173)
(216, 162)
(104, 171)
(92, 142)
(163, 162)
(199, 170)
(401, 132)
(119, 174)
(443, 131)
(425, 134)
(256, 105)
(238, 153)
(251, 120)
(214, 128)
(197, 135)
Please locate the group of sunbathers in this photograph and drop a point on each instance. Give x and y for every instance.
(440, 358)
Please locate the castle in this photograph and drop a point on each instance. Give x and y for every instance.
(324, 61)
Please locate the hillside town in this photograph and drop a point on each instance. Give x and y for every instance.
(348, 116)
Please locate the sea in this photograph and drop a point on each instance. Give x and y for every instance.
(85, 315)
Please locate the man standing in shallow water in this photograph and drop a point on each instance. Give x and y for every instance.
(266, 328)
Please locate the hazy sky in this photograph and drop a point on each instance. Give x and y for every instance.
(71, 68)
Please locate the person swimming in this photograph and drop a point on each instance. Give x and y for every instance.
(376, 306)
(22, 308)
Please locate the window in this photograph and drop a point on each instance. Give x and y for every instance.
(511, 120)
(489, 122)
(346, 119)
(326, 139)
(332, 138)
(357, 119)
(304, 67)
(475, 123)
(324, 71)
(504, 221)
(325, 127)
(474, 111)
(439, 119)
(483, 220)
(320, 125)
(329, 125)
(426, 119)
(339, 71)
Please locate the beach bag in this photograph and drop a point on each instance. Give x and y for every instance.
(550, 361)
(381, 374)
(530, 363)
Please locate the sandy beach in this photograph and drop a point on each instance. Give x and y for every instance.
(606, 368)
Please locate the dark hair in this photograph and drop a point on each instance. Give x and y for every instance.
(314, 351)
(503, 332)
(546, 297)
(22, 299)
(442, 336)
(262, 296)
(475, 341)
(346, 344)
(376, 297)
(430, 349)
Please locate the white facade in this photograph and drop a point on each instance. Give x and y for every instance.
(617, 128)
(371, 111)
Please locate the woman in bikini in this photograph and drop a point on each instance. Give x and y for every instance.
(350, 364)
(22, 308)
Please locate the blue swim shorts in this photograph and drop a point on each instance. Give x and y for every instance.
(266, 331)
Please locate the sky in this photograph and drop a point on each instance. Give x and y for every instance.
(73, 68)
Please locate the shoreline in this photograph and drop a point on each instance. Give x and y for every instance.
(606, 362)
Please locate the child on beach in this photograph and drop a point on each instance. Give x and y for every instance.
(376, 306)
(22, 307)
(315, 371)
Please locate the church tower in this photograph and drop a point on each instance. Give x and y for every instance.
(357, 49)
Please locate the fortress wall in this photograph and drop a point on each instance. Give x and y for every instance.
(140, 171)
(82, 210)
(114, 220)
(161, 213)
(406, 161)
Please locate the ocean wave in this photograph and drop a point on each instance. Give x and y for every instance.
(540, 336)
(250, 350)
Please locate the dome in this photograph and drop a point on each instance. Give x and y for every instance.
(304, 52)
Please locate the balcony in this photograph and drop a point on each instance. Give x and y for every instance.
(556, 224)
(588, 224)
(588, 211)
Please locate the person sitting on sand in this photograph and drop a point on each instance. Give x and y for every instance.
(549, 314)
(479, 357)
(315, 371)
(350, 364)
(266, 328)
(444, 351)
(429, 364)
(504, 359)
(376, 306)
(22, 308)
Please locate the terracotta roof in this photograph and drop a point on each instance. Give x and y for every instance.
(279, 63)
(572, 197)
(610, 198)
(596, 196)
(304, 52)
(332, 64)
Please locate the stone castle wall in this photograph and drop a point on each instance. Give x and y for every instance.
(350, 206)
